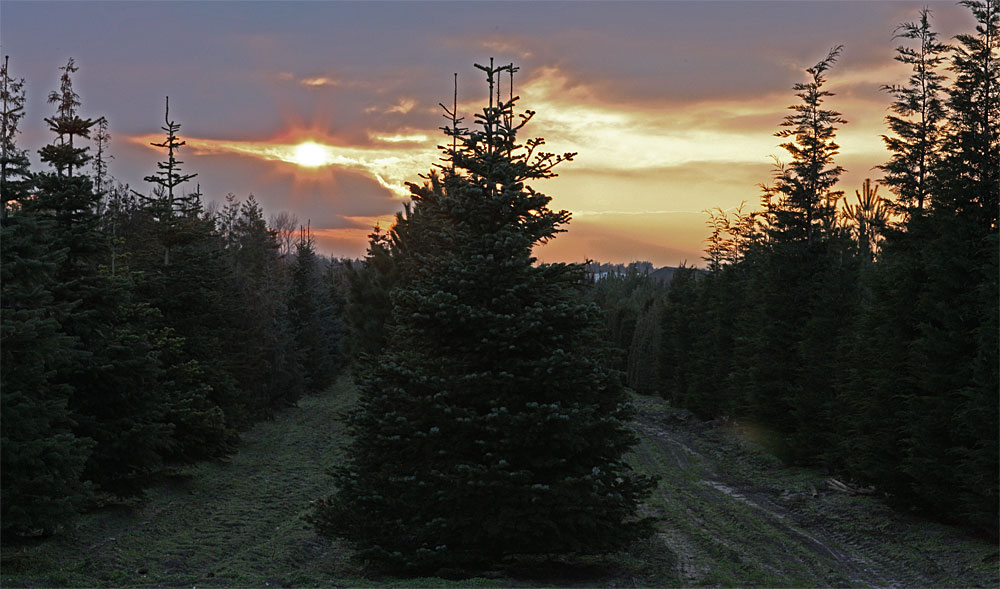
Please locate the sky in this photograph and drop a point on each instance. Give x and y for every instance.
(671, 106)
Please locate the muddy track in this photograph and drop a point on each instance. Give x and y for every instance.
(727, 527)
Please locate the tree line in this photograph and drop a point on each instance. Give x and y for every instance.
(860, 336)
(140, 330)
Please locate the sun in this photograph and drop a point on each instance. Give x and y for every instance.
(310, 155)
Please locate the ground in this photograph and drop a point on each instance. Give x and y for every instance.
(730, 515)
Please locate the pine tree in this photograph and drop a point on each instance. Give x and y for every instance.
(869, 219)
(489, 426)
(268, 372)
(951, 413)
(101, 159)
(919, 113)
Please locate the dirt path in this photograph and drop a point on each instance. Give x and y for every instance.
(733, 516)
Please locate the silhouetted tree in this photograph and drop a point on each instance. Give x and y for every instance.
(807, 202)
(492, 388)
(869, 219)
(918, 115)
(14, 163)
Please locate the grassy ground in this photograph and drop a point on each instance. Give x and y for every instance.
(234, 523)
(735, 517)
(730, 517)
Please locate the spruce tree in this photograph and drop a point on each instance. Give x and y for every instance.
(41, 459)
(268, 370)
(489, 426)
(971, 158)
(165, 204)
(369, 284)
(114, 379)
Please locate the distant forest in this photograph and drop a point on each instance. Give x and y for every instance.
(142, 331)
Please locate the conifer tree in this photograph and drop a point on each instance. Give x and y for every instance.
(41, 458)
(313, 323)
(489, 426)
(369, 285)
(869, 218)
(102, 138)
(951, 410)
(972, 143)
(918, 115)
(165, 204)
(807, 204)
(114, 378)
(14, 164)
(268, 373)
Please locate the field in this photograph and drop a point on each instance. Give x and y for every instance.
(730, 516)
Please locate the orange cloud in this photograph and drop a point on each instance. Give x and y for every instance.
(391, 167)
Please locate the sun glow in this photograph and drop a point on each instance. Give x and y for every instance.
(310, 155)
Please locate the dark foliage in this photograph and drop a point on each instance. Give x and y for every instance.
(489, 425)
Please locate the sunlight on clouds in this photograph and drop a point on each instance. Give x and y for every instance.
(318, 81)
(400, 138)
(571, 119)
(390, 167)
(350, 241)
(403, 106)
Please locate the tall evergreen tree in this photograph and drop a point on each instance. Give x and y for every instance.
(918, 115)
(14, 164)
(313, 323)
(41, 458)
(807, 203)
(489, 426)
(268, 371)
(869, 218)
(115, 398)
(972, 143)
(164, 203)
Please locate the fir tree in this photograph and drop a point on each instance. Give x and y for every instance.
(369, 284)
(489, 426)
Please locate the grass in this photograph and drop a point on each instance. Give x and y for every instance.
(730, 516)
(737, 517)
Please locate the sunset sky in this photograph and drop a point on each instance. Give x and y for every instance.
(672, 106)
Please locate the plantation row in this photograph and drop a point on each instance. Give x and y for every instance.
(859, 337)
(140, 331)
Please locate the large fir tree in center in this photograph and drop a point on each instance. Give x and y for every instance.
(489, 425)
